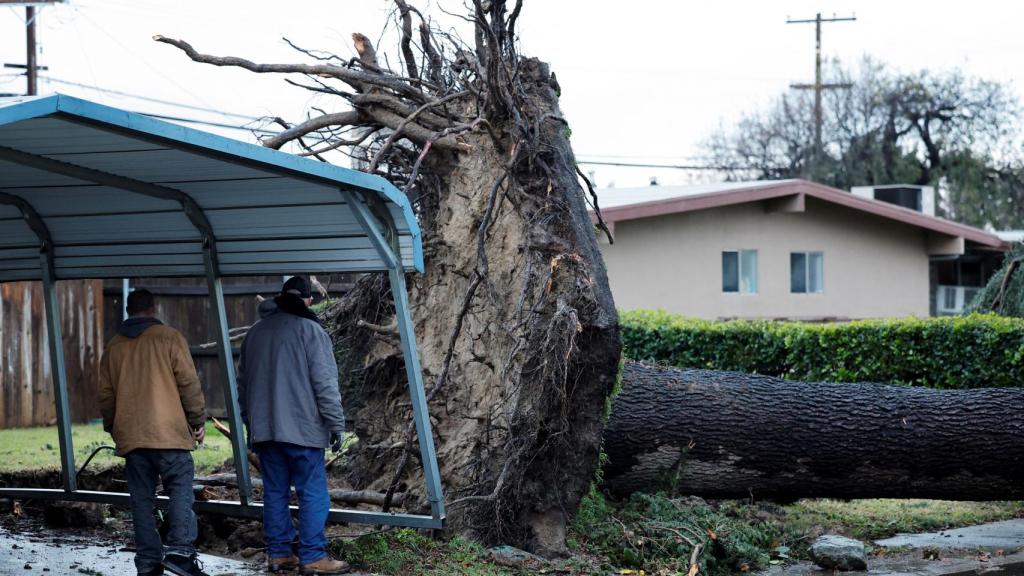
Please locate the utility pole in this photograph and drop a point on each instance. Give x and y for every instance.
(818, 85)
(31, 74)
(31, 67)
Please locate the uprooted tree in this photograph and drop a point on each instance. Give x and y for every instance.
(516, 326)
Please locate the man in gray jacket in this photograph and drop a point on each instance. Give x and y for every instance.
(288, 391)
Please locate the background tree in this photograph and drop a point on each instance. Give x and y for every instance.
(942, 129)
(517, 330)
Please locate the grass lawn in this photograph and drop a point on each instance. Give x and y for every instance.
(880, 518)
(657, 532)
(38, 448)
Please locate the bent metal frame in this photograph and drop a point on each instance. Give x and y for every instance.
(89, 191)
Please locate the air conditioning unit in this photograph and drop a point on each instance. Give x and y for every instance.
(912, 196)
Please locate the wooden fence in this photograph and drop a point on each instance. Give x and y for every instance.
(90, 315)
(26, 386)
(184, 304)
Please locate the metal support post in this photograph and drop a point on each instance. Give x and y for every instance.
(389, 254)
(58, 373)
(414, 374)
(239, 447)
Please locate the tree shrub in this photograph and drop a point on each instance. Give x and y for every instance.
(975, 351)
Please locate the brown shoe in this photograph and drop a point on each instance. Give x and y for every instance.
(288, 564)
(325, 566)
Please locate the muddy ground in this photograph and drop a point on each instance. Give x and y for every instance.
(53, 535)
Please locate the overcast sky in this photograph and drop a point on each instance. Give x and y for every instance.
(642, 80)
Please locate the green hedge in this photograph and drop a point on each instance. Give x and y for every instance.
(976, 351)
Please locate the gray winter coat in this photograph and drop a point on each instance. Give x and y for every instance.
(288, 381)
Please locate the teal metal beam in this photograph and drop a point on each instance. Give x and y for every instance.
(239, 446)
(227, 508)
(420, 409)
(380, 230)
(59, 373)
(54, 337)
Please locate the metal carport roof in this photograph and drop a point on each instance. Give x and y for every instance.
(89, 191)
(122, 194)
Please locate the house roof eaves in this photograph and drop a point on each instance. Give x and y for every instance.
(772, 190)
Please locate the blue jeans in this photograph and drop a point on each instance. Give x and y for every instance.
(143, 468)
(283, 466)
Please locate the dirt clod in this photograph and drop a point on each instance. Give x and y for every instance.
(73, 514)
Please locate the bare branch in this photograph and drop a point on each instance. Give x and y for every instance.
(367, 53)
(355, 78)
(434, 61)
(324, 88)
(407, 53)
(315, 54)
(597, 210)
(512, 20)
(349, 118)
(338, 143)
(416, 132)
(397, 133)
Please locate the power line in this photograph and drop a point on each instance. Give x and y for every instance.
(134, 54)
(669, 166)
(148, 98)
(205, 123)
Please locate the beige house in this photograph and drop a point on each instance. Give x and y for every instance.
(777, 249)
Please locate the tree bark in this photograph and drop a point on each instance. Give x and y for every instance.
(518, 338)
(729, 435)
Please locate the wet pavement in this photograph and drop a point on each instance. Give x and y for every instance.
(60, 552)
(914, 565)
(993, 548)
(1007, 536)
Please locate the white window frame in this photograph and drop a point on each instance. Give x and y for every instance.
(741, 289)
(807, 271)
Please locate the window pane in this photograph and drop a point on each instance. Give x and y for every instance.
(816, 273)
(730, 272)
(797, 272)
(949, 300)
(748, 271)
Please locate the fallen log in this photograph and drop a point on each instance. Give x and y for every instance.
(730, 435)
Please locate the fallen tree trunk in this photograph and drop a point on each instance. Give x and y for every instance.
(730, 435)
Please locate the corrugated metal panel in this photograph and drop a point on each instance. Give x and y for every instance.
(16, 233)
(270, 212)
(17, 176)
(161, 166)
(268, 191)
(73, 200)
(35, 136)
(154, 227)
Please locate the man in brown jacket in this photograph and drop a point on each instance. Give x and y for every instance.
(153, 406)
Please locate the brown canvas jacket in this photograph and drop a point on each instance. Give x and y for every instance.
(149, 393)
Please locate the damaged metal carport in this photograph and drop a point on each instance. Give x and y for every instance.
(89, 191)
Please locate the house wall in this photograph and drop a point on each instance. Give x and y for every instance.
(873, 267)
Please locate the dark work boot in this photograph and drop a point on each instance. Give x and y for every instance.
(183, 565)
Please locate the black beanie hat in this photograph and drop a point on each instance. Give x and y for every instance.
(297, 286)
